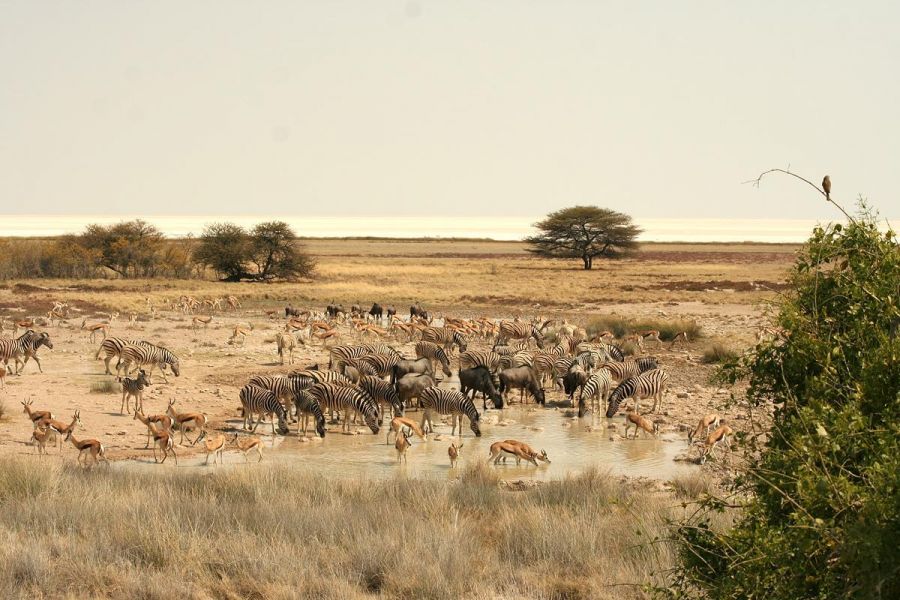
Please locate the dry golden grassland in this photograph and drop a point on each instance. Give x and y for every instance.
(276, 532)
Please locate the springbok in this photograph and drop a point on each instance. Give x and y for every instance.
(453, 453)
(36, 415)
(164, 440)
(706, 423)
(186, 421)
(93, 328)
(720, 434)
(240, 332)
(93, 447)
(246, 444)
(153, 422)
(518, 450)
(402, 444)
(397, 423)
(40, 436)
(633, 418)
(198, 320)
(215, 446)
(61, 429)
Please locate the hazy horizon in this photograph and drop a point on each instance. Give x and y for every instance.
(474, 109)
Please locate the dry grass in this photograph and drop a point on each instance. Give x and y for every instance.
(106, 386)
(693, 486)
(717, 353)
(280, 533)
(621, 326)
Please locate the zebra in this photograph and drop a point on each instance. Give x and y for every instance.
(322, 376)
(597, 390)
(445, 337)
(382, 364)
(112, 347)
(523, 358)
(32, 346)
(284, 388)
(449, 402)
(626, 369)
(15, 347)
(255, 399)
(134, 387)
(511, 330)
(650, 384)
(347, 399)
(341, 355)
(615, 353)
(483, 358)
(434, 353)
(380, 348)
(306, 405)
(383, 393)
(148, 354)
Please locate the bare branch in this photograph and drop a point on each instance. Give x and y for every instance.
(787, 171)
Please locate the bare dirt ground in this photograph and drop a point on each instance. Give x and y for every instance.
(720, 287)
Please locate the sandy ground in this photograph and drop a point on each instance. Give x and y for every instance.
(212, 371)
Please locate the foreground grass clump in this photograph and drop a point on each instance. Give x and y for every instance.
(277, 532)
(106, 386)
(718, 354)
(620, 327)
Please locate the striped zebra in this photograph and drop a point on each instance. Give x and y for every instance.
(138, 355)
(134, 387)
(480, 358)
(596, 389)
(356, 368)
(342, 355)
(12, 349)
(435, 354)
(511, 330)
(381, 364)
(349, 400)
(615, 353)
(448, 402)
(322, 376)
(31, 348)
(544, 362)
(284, 388)
(383, 393)
(112, 347)
(305, 406)
(650, 384)
(380, 348)
(255, 399)
(523, 358)
(626, 369)
(445, 337)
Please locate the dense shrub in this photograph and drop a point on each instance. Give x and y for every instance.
(822, 515)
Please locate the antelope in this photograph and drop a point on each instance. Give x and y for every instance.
(186, 421)
(329, 334)
(649, 334)
(36, 415)
(215, 446)
(402, 444)
(633, 418)
(397, 423)
(681, 336)
(40, 436)
(240, 331)
(703, 427)
(635, 338)
(164, 440)
(132, 321)
(23, 324)
(60, 428)
(603, 336)
(500, 450)
(163, 421)
(453, 452)
(205, 321)
(247, 444)
(57, 314)
(93, 328)
(94, 447)
(110, 316)
(720, 434)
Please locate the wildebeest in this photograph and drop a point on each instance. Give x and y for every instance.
(333, 309)
(522, 378)
(290, 311)
(574, 380)
(411, 385)
(376, 312)
(356, 310)
(391, 311)
(416, 310)
(404, 367)
(478, 379)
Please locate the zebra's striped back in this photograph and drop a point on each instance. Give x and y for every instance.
(112, 346)
(135, 386)
(322, 376)
(511, 330)
(382, 364)
(382, 391)
(341, 355)
(645, 385)
(432, 351)
(475, 358)
(380, 348)
(146, 354)
(347, 399)
(444, 336)
(13, 347)
(524, 358)
(282, 386)
(450, 402)
(305, 403)
(255, 399)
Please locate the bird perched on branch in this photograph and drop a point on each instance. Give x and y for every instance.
(826, 186)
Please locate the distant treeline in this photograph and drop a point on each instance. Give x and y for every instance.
(136, 249)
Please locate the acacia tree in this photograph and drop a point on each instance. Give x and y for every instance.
(129, 248)
(268, 251)
(224, 248)
(584, 232)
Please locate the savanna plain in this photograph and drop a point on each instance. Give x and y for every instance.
(360, 523)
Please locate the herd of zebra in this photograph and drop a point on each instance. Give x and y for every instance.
(368, 381)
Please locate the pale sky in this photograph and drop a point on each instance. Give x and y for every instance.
(658, 109)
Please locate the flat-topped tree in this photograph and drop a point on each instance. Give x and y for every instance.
(584, 232)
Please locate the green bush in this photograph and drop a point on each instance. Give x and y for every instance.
(822, 510)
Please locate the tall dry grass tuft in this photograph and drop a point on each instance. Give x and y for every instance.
(279, 532)
(621, 326)
(106, 386)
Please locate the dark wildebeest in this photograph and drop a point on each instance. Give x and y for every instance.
(391, 311)
(421, 365)
(333, 309)
(573, 381)
(356, 310)
(522, 378)
(478, 379)
(376, 312)
(290, 311)
(411, 385)
(416, 310)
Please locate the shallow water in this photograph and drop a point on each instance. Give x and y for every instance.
(573, 445)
